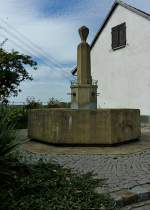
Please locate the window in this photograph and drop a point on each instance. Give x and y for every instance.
(119, 36)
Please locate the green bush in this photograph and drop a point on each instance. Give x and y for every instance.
(47, 186)
(32, 103)
(55, 103)
(8, 143)
(18, 117)
(7, 132)
(64, 104)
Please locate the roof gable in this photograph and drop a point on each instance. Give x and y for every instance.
(115, 5)
(113, 8)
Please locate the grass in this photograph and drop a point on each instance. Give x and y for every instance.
(47, 186)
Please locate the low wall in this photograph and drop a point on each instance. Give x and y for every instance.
(145, 120)
(68, 126)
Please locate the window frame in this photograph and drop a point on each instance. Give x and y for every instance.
(117, 29)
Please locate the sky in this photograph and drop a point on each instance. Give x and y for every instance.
(48, 31)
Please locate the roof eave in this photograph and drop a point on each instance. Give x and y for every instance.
(104, 23)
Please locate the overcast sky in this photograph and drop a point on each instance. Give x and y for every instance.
(48, 31)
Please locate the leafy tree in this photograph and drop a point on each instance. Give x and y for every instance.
(13, 72)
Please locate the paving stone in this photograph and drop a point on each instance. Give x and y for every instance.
(130, 172)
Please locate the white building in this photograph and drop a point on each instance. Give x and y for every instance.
(120, 59)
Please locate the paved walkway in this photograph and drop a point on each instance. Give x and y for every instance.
(119, 172)
(121, 169)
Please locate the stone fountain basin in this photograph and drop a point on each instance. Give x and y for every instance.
(81, 127)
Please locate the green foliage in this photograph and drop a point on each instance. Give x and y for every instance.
(7, 133)
(18, 116)
(8, 143)
(50, 187)
(32, 103)
(55, 103)
(64, 104)
(13, 72)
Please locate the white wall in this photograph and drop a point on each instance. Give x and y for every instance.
(124, 74)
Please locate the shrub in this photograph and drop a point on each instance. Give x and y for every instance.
(47, 186)
(65, 104)
(32, 103)
(7, 132)
(8, 143)
(18, 116)
(55, 103)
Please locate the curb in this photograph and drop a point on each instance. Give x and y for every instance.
(133, 195)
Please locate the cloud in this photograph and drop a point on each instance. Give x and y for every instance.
(46, 83)
(56, 34)
(53, 26)
(46, 74)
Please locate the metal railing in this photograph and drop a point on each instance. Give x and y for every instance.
(76, 82)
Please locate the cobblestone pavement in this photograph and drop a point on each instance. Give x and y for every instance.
(124, 171)
(118, 171)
